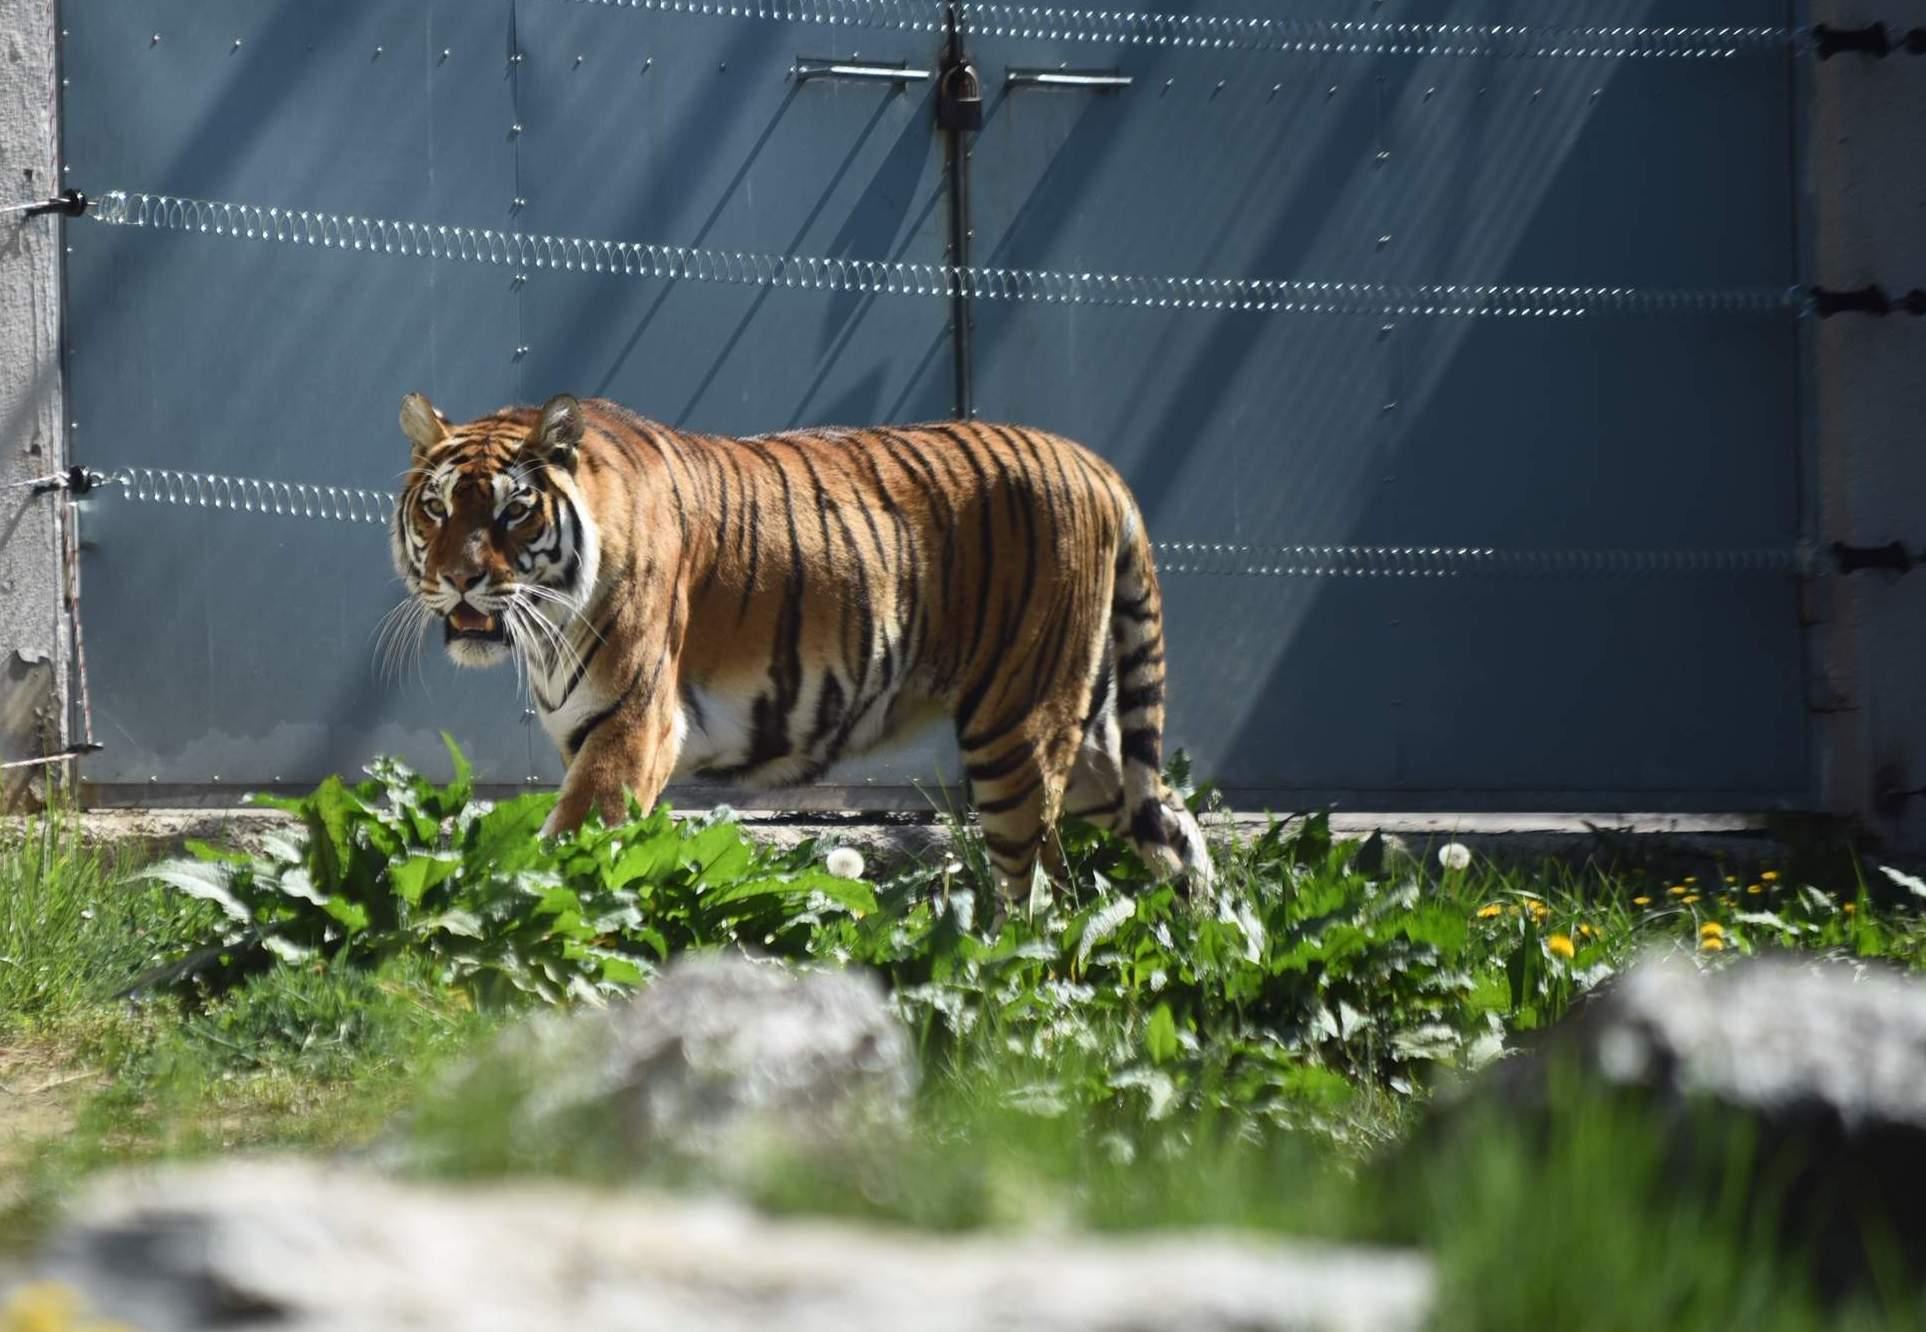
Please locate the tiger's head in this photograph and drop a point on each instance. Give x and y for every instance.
(491, 534)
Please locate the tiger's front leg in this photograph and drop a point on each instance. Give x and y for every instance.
(632, 747)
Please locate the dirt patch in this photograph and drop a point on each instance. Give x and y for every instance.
(41, 1092)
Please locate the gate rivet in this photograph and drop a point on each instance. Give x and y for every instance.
(444, 52)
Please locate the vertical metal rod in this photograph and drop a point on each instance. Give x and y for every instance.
(961, 327)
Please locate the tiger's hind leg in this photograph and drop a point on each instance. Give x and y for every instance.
(1017, 785)
(1096, 790)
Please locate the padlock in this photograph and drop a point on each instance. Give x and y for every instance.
(959, 99)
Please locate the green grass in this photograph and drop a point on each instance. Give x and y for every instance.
(1120, 1058)
(72, 930)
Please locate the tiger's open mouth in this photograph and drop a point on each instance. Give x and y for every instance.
(465, 622)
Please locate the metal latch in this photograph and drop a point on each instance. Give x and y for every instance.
(808, 69)
(1096, 80)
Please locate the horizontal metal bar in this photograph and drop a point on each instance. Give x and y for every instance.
(348, 233)
(1284, 36)
(852, 71)
(1106, 80)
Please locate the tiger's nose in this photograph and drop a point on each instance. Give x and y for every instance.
(466, 582)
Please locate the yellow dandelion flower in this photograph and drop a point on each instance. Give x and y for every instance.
(1561, 944)
(1586, 931)
(1712, 943)
(1490, 910)
(1770, 876)
(1641, 901)
(1689, 898)
(48, 1306)
(1711, 930)
(1678, 890)
(1849, 908)
(1691, 878)
(1755, 889)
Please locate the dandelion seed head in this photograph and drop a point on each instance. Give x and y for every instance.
(845, 862)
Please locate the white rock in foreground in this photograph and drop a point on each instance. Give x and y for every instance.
(301, 1247)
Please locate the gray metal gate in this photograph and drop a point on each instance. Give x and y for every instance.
(1451, 347)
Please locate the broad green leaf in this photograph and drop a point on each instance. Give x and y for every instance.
(652, 855)
(466, 924)
(220, 855)
(286, 949)
(352, 915)
(288, 848)
(1103, 923)
(460, 791)
(295, 882)
(417, 874)
(1160, 1036)
(507, 838)
(718, 852)
(207, 882)
(330, 812)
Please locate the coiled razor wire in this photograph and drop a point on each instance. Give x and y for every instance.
(521, 250)
(289, 499)
(286, 499)
(1218, 558)
(1285, 35)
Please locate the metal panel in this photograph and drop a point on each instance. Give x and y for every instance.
(1630, 389)
(237, 646)
(645, 125)
(1449, 348)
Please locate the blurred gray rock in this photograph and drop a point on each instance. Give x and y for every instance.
(1822, 1063)
(1783, 1038)
(297, 1247)
(720, 1060)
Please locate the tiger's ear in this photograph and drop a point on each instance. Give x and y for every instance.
(422, 424)
(560, 432)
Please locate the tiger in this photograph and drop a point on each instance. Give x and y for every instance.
(753, 610)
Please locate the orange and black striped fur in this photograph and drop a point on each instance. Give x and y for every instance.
(756, 609)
